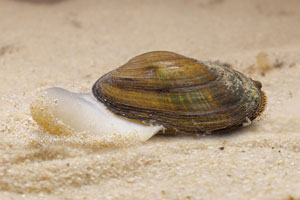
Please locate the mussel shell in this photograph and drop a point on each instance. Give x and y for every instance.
(180, 93)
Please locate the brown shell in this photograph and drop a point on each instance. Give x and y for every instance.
(180, 93)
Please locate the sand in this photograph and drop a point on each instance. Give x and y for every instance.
(71, 43)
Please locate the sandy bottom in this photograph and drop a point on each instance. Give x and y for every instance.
(71, 43)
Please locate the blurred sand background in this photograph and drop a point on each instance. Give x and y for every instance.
(71, 43)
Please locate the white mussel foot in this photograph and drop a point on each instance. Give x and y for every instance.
(62, 112)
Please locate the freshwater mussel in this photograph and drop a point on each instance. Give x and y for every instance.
(155, 92)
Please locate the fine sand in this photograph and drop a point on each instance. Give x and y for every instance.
(71, 43)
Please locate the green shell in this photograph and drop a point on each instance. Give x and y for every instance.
(180, 93)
